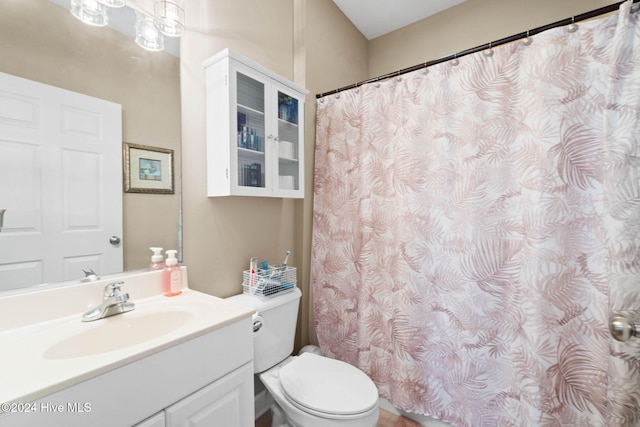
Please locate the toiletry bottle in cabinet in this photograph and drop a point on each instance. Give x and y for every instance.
(171, 276)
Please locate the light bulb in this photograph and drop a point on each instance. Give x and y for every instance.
(90, 12)
(113, 3)
(147, 35)
(169, 17)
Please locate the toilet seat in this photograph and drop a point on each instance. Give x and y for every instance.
(327, 387)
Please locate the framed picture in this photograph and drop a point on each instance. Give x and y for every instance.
(147, 169)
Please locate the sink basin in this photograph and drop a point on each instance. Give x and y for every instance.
(117, 332)
(47, 348)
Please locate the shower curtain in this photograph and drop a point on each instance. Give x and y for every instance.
(476, 224)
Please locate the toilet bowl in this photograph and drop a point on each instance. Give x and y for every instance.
(309, 390)
(316, 391)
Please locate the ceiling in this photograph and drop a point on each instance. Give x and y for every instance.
(378, 17)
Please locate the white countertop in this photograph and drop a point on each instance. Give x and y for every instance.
(34, 324)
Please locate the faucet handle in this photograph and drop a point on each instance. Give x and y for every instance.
(112, 289)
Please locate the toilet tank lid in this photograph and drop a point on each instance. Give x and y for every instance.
(261, 304)
(328, 385)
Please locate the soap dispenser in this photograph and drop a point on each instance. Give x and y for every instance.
(157, 260)
(171, 276)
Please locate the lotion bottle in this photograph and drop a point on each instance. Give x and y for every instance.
(171, 276)
(157, 261)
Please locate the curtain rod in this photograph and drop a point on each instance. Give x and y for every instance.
(577, 18)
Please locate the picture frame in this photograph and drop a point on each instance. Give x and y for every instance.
(148, 169)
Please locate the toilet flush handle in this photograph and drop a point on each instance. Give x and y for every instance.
(258, 321)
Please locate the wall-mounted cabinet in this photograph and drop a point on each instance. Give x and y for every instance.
(255, 130)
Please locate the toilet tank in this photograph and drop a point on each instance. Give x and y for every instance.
(273, 341)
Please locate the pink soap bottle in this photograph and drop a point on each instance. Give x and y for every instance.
(171, 276)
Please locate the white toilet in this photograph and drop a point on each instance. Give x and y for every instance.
(309, 390)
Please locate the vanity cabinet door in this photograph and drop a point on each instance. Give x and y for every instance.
(156, 420)
(227, 402)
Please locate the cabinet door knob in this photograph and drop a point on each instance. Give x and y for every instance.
(277, 138)
(270, 137)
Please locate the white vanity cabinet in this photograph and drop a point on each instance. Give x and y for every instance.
(225, 402)
(155, 421)
(255, 130)
(206, 380)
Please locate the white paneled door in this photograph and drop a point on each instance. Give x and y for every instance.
(60, 184)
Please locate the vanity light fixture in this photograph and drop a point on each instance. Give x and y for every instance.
(90, 12)
(147, 34)
(169, 17)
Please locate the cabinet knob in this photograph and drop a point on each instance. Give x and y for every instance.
(270, 137)
(277, 138)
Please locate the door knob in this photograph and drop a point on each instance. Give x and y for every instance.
(621, 328)
(114, 240)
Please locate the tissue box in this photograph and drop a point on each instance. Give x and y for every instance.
(286, 182)
(286, 150)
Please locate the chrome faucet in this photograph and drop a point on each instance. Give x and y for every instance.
(89, 275)
(114, 303)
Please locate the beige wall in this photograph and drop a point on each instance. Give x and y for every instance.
(470, 24)
(307, 41)
(335, 54)
(221, 234)
(42, 41)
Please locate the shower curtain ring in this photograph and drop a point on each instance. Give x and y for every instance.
(573, 27)
(425, 70)
(489, 52)
(527, 41)
(455, 61)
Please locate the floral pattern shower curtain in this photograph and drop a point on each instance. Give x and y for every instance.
(475, 226)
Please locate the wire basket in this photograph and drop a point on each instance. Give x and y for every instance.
(270, 282)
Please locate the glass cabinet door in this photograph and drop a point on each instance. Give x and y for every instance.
(289, 161)
(251, 132)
